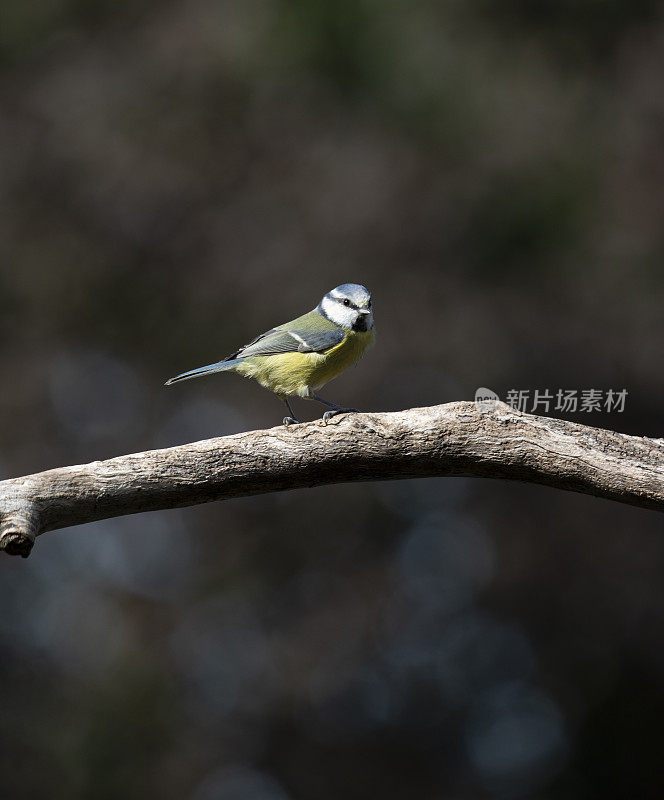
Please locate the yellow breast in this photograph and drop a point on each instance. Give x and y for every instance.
(301, 374)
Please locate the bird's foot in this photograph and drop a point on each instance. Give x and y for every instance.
(291, 421)
(334, 411)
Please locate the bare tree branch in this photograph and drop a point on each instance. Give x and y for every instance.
(452, 439)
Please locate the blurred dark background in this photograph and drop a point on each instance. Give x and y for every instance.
(176, 177)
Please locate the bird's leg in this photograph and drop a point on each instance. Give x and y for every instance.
(291, 418)
(335, 409)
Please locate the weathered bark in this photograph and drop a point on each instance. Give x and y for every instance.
(453, 439)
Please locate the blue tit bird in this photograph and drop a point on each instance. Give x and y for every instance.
(299, 357)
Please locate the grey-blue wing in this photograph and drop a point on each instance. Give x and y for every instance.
(289, 340)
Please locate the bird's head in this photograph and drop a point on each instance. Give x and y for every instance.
(349, 305)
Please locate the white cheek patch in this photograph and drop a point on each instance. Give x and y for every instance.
(325, 304)
(337, 312)
(333, 310)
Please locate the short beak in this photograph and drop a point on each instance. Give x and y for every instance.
(366, 311)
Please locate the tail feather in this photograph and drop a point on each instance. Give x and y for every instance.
(220, 366)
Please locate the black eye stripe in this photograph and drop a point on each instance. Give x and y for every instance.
(345, 301)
